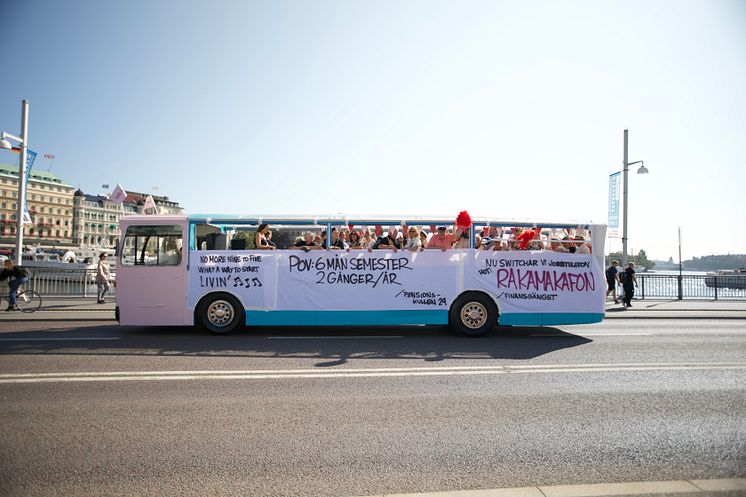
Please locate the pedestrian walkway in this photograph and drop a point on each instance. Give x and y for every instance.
(677, 309)
(65, 309)
(86, 309)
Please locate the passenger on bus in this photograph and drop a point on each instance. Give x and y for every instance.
(307, 242)
(513, 243)
(412, 242)
(423, 239)
(581, 247)
(260, 238)
(356, 243)
(555, 245)
(268, 236)
(535, 242)
(568, 244)
(441, 239)
(496, 234)
(389, 241)
(367, 242)
(489, 243)
(462, 240)
(337, 243)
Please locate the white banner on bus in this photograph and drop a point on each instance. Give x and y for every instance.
(520, 281)
(378, 280)
(250, 276)
(546, 282)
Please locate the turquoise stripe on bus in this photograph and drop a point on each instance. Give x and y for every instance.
(549, 318)
(341, 318)
(413, 317)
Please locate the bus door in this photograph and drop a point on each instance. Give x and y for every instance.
(152, 276)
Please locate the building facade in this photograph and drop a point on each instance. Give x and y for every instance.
(96, 218)
(95, 221)
(165, 206)
(50, 204)
(62, 217)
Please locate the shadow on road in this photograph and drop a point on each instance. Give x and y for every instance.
(330, 346)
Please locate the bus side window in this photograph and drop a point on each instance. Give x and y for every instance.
(152, 246)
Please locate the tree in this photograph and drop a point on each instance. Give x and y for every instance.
(640, 260)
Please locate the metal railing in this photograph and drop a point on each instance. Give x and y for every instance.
(62, 282)
(688, 286)
(82, 283)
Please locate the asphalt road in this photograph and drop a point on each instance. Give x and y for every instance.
(97, 409)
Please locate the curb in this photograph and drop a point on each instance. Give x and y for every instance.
(670, 487)
(676, 317)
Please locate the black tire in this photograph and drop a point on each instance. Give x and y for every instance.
(28, 301)
(220, 313)
(473, 314)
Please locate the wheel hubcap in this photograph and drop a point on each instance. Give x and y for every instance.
(220, 313)
(474, 315)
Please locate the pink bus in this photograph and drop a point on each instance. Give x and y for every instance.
(196, 270)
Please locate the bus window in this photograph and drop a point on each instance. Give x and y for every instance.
(152, 246)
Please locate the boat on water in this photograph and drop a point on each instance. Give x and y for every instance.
(52, 259)
(727, 278)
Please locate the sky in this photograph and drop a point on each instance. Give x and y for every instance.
(507, 109)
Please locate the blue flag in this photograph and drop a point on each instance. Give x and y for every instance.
(30, 158)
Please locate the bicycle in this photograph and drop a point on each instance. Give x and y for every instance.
(26, 300)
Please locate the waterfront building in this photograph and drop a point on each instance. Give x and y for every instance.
(95, 221)
(96, 217)
(50, 204)
(62, 217)
(165, 206)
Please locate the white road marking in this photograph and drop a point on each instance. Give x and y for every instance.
(265, 374)
(592, 335)
(350, 337)
(671, 487)
(56, 339)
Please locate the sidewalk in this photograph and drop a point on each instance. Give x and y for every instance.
(65, 309)
(86, 309)
(678, 309)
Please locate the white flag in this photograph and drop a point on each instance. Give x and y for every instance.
(118, 195)
(27, 218)
(150, 204)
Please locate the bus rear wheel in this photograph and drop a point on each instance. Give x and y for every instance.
(473, 314)
(220, 313)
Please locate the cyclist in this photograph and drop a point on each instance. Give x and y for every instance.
(20, 276)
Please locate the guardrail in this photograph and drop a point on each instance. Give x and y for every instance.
(689, 286)
(62, 282)
(82, 283)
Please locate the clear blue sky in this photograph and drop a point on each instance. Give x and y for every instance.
(504, 108)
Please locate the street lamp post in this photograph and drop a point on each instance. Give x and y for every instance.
(641, 170)
(23, 140)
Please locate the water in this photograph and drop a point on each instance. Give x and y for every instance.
(665, 284)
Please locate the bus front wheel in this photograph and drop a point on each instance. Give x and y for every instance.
(473, 314)
(221, 313)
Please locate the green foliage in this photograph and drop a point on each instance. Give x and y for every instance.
(716, 262)
(641, 259)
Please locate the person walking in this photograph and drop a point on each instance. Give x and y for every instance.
(102, 277)
(629, 283)
(612, 278)
(20, 276)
